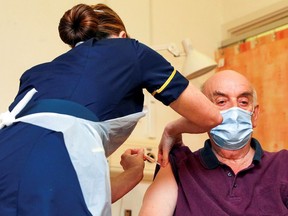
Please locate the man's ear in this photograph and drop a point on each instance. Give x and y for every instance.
(255, 116)
(122, 34)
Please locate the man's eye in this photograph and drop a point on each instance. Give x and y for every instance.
(244, 103)
(220, 102)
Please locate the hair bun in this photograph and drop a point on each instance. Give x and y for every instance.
(78, 24)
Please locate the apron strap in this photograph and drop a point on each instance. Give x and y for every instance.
(8, 118)
(61, 107)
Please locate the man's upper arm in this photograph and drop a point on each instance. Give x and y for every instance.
(161, 196)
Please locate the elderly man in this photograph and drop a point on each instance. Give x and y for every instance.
(231, 174)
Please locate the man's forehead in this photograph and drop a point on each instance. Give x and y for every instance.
(228, 89)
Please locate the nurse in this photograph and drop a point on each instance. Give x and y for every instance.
(73, 112)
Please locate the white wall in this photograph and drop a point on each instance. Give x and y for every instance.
(198, 20)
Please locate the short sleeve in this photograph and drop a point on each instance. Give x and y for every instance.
(158, 76)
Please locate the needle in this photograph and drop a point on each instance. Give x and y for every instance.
(149, 159)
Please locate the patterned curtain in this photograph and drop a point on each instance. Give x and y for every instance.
(264, 61)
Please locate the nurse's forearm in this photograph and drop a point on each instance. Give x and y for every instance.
(198, 109)
(182, 125)
(125, 182)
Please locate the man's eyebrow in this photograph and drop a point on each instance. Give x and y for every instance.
(218, 93)
(247, 94)
(243, 94)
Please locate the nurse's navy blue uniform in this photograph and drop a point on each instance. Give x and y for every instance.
(106, 77)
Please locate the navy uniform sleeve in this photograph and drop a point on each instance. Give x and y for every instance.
(158, 76)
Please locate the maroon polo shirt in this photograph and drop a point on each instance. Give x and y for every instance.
(208, 187)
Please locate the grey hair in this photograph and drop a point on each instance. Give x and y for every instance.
(255, 98)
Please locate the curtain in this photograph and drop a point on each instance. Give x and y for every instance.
(264, 61)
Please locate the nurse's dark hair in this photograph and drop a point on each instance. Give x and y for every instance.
(83, 22)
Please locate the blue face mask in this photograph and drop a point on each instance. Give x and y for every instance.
(235, 130)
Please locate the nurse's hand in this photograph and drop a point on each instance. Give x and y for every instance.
(132, 161)
(166, 144)
(172, 135)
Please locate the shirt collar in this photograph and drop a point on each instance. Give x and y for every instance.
(210, 161)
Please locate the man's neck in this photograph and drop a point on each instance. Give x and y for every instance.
(237, 160)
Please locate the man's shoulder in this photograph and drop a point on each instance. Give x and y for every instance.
(281, 154)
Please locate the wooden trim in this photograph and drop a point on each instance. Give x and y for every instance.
(256, 23)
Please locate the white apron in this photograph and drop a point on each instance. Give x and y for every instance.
(84, 141)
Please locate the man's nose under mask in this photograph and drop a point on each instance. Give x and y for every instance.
(235, 130)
